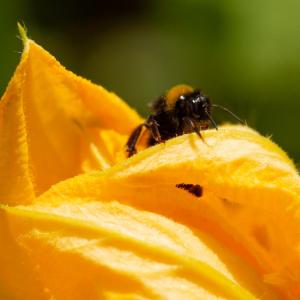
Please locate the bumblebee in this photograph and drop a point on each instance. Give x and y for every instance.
(180, 110)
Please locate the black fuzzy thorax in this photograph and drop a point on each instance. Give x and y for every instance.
(168, 125)
(173, 122)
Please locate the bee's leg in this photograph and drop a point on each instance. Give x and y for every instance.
(133, 139)
(212, 121)
(153, 127)
(190, 122)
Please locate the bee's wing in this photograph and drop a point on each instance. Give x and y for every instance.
(158, 105)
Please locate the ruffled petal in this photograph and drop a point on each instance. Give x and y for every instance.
(108, 250)
(55, 125)
(250, 201)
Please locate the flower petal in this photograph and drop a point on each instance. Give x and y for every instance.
(52, 124)
(250, 202)
(102, 250)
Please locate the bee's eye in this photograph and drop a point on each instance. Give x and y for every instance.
(204, 101)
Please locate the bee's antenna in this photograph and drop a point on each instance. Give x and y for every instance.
(211, 119)
(229, 112)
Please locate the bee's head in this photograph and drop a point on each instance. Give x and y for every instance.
(201, 101)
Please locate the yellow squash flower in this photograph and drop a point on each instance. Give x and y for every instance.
(80, 221)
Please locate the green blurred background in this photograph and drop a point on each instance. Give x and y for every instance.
(243, 54)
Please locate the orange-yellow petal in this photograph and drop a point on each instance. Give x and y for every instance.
(250, 202)
(108, 250)
(55, 125)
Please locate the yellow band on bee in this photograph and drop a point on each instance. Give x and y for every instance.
(173, 94)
